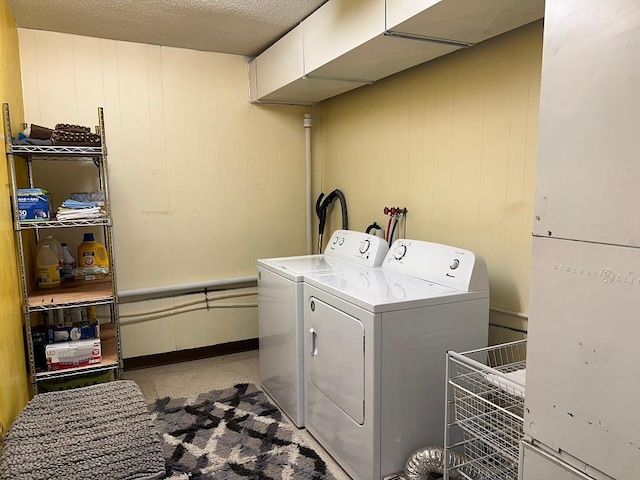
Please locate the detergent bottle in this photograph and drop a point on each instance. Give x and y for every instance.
(92, 253)
(47, 267)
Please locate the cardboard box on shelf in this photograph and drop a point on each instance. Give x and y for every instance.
(87, 274)
(64, 333)
(34, 204)
(73, 354)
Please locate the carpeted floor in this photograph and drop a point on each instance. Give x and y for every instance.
(234, 433)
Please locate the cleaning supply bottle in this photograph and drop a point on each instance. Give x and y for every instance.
(55, 245)
(47, 267)
(68, 262)
(92, 253)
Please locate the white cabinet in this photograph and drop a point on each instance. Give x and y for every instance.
(277, 75)
(346, 44)
(380, 57)
(281, 64)
(535, 464)
(588, 167)
(466, 21)
(337, 28)
(582, 382)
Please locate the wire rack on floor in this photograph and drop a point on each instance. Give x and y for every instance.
(484, 411)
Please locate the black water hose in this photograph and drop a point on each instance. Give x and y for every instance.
(393, 231)
(322, 205)
(343, 208)
(373, 226)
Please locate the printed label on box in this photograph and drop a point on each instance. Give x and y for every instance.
(34, 207)
(73, 354)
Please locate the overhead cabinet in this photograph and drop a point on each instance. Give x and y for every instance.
(460, 21)
(346, 44)
(282, 79)
(346, 39)
(337, 29)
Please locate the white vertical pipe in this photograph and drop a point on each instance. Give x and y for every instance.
(307, 137)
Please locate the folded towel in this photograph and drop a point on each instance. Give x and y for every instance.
(511, 382)
(31, 141)
(84, 139)
(38, 132)
(72, 128)
(69, 203)
(79, 213)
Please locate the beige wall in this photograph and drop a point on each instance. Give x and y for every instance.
(203, 183)
(454, 141)
(13, 380)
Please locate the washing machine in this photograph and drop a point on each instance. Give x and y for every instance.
(280, 311)
(375, 351)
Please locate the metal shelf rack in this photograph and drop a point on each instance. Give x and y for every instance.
(485, 410)
(69, 294)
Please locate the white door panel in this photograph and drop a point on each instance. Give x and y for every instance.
(582, 381)
(336, 357)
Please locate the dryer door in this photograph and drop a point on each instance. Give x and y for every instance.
(336, 360)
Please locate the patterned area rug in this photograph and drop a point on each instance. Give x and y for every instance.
(232, 434)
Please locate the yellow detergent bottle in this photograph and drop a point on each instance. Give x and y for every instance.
(92, 253)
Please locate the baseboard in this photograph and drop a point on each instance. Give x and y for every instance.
(167, 358)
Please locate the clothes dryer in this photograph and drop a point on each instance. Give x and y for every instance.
(375, 351)
(280, 311)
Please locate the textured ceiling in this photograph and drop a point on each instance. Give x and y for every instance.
(242, 27)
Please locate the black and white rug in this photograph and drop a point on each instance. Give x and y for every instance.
(232, 434)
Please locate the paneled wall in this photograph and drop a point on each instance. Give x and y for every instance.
(13, 380)
(203, 183)
(454, 141)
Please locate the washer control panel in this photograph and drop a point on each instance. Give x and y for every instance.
(399, 251)
(358, 247)
(442, 264)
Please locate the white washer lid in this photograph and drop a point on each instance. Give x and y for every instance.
(380, 290)
(295, 268)
(345, 247)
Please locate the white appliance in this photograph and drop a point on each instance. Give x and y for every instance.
(375, 351)
(581, 408)
(280, 307)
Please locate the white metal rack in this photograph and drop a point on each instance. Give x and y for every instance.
(69, 294)
(484, 411)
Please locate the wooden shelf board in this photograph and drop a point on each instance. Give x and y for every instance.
(69, 292)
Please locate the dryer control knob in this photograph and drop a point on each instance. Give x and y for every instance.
(335, 240)
(455, 264)
(400, 252)
(364, 246)
(341, 240)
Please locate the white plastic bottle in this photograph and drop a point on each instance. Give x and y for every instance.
(56, 247)
(47, 267)
(68, 262)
